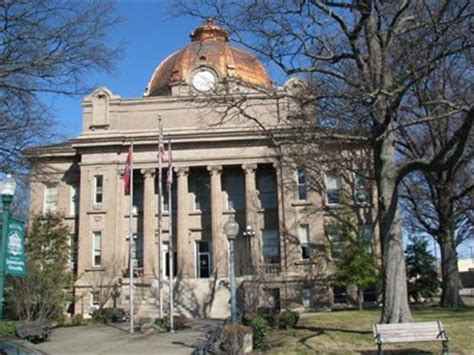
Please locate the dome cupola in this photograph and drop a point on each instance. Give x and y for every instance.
(204, 62)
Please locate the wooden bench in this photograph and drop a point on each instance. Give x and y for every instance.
(410, 333)
(33, 331)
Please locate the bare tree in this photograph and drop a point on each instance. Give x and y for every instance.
(440, 204)
(366, 58)
(46, 47)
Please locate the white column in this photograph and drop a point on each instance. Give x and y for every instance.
(219, 241)
(251, 211)
(149, 252)
(184, 249)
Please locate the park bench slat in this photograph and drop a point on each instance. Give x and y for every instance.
(410, 333)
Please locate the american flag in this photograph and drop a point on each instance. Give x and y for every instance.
(161, 147)
(169, 178)
(127, 171)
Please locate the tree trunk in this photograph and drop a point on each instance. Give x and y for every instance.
(451, 282)
(360, 298)
(395, 296)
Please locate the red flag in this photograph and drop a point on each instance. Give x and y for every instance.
(127, 171)
(169, 179)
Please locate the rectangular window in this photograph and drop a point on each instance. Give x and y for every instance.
(304, 241)
(137, 251)
(74, 201)
(234, 186)
(361, 189)
(333, 189)
(72, 244)
(166, 260)
(336, 238)
(204, 258)
(366, 236)
(272, 299)
(270, 247)
(95, 299)
(302, 187)
(340, 294)
(202, 194)
(50, 199)
(96, 248)
(267, 188)
(308, 297)
(137, 196)
(98, 189)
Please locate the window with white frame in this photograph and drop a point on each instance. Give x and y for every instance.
(302, 184)
(333, 189)
(203, 262)
(336, 239)
(98, 189)
(270, 247)
(71, 241)
(234, 187)
(266, 183)
(361, 189)
(96, 248)
(50, 199)
(74, 201)
(304, 241)
(201, 189)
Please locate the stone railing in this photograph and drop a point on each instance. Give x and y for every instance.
(270, 268)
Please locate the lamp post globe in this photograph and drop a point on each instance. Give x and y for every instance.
(7, 186)
(231, 229)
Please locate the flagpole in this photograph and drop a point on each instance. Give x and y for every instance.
(159, 289)
(170, 236)
(131, 241)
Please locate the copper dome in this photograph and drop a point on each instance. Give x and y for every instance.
(210, 48)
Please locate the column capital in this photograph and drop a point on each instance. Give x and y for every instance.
(148, 173)
(249, 168)
(181, 171)
(214, 169)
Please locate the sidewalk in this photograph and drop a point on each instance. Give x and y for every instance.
(105, 339)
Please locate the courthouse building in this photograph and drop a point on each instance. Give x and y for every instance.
(222, 167)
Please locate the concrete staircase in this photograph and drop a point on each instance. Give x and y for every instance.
(194, 298)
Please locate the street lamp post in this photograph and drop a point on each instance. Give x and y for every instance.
(231, 229)
(7, 190)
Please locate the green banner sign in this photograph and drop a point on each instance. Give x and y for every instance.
(15, 264)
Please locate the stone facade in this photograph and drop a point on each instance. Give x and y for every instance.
(219, 170)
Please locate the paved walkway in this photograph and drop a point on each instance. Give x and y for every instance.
(103, 339)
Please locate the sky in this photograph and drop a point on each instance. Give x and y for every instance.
(149, 35)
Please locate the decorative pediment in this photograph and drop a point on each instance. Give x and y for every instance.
(100, 100)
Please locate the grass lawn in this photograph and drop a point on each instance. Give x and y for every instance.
(350, 332)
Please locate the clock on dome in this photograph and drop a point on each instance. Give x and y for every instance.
(204, 80)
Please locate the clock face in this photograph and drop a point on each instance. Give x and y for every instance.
(204, 80)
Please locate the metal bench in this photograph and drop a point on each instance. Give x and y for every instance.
(33, 331)
(205, 344)
(410, 333)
